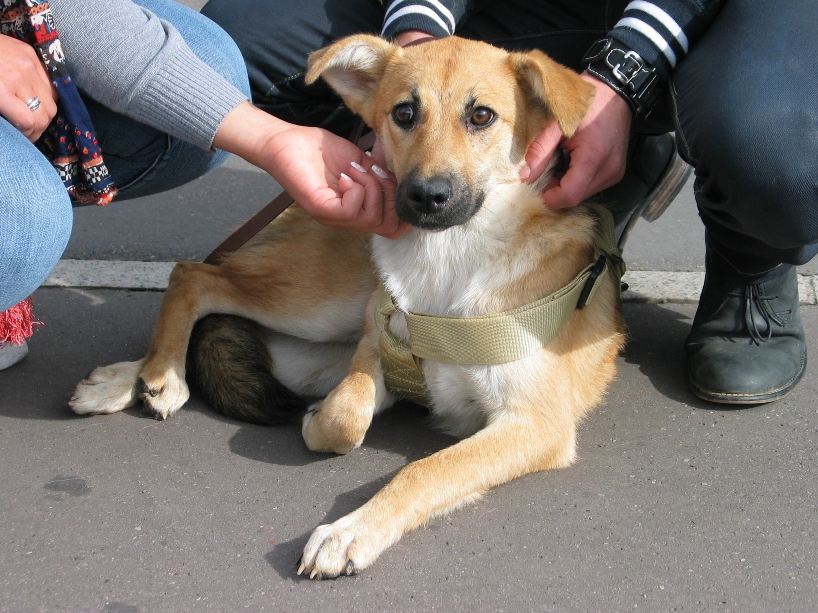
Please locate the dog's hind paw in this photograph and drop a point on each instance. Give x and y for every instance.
(108, 389)
(162, 398)
(345, 547)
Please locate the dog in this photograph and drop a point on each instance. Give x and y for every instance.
(301, 302)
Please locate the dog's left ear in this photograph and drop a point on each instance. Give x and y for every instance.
(552, 86)
(353, 67)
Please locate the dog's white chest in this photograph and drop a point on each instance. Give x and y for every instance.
(432, 278)
(446, 273)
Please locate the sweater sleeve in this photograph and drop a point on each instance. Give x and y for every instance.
(436, 17)
(663, 31)
(136, 64)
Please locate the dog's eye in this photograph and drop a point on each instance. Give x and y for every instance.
(404, 115)
(481, 117)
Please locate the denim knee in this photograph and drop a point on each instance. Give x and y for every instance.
(35, 217)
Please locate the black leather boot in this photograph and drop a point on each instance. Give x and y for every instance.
(747, 343)
(654, 176)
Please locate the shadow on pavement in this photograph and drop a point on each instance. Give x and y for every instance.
(656, 335)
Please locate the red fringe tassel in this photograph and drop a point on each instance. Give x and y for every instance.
(18, 323)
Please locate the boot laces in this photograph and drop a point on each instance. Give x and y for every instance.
(757, 307)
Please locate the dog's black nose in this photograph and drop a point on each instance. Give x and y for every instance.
(436, 202)
(429, 195)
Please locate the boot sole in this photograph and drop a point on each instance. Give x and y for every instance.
(667, 187)
(672, 181)
(746, 399)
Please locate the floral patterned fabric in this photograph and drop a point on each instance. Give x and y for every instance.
(69, 142)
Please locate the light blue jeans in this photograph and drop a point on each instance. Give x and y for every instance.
(36, 214)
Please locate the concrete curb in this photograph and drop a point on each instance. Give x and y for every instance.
(104, 274)
(643, 285)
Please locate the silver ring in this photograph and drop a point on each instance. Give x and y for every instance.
(33, 103)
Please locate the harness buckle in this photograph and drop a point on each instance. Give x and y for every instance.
(590, 282)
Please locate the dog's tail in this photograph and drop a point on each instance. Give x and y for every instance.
(229, 364)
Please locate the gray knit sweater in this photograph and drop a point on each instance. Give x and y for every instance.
(128, 59)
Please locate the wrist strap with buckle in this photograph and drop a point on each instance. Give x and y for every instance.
(626, 72)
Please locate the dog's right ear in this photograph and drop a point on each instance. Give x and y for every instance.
(353, 67)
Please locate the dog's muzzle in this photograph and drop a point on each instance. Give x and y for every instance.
(437, 202)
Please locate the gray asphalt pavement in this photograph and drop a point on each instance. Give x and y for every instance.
(673, 505)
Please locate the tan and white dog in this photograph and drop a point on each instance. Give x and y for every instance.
(455, 118)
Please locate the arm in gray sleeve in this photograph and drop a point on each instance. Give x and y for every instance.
(128, 59)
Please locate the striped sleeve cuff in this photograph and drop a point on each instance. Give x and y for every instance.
(656, 33)
(429, 16)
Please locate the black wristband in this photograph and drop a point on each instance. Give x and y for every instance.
(626, 72)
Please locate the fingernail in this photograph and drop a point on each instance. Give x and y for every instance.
(358, 167)
(379, 171)
(525, 172)
(345, 176)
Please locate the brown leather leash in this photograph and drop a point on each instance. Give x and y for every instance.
(278, 205)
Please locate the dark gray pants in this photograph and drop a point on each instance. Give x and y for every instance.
(743, 103)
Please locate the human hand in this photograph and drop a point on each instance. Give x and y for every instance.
(23, 77)
(333, 180)
(598, 150)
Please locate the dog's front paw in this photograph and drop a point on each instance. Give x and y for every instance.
(108, 389)
(345, 547)
(163, 395)
(330, 431)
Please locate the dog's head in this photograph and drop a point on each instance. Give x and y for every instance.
(454, 116)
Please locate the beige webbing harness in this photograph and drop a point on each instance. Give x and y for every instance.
(492, 339)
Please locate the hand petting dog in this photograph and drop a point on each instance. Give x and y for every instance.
(597, 152)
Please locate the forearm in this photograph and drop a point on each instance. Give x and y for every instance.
(663, 31)
(436, 17)
(248, 133)
(136, 64)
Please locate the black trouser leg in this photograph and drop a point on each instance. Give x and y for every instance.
(747, 97)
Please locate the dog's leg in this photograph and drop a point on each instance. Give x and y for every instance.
(262, 293)
(194, 290)
(339, 422)
(511, 446)
(159, 379)
(299, 278)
